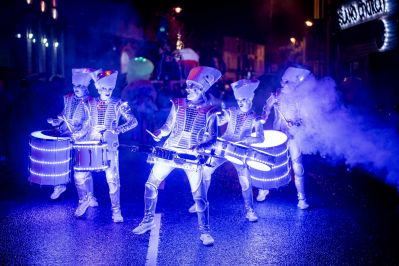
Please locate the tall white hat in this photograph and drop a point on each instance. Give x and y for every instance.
(295, 74)
(204, 76)
(105, 78)
(81, 76)
(245, 88)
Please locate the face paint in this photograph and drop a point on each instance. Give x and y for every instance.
(194, 91)
(105, 93)
(244, 104)
(80, 90)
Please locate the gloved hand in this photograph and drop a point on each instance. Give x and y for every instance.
(53, 122)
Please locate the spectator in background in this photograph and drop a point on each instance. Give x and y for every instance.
(141, 95)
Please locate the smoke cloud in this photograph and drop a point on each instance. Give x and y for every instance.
(337, 132)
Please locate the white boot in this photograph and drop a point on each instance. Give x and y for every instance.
(117, 216)
(93, 202)
(58, 190)
(302, 204)
(251, 216)
(207, 239)
(193, 209)
(262, 193)
(146, 224)
(83, 205)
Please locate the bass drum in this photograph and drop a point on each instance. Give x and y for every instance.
(268, 163)
(50, 158)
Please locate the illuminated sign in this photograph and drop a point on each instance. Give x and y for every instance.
(361, 11)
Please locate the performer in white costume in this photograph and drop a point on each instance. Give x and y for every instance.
(287, 109)
(105, 113)
(241, 122)
(74, 119)
(191, 126)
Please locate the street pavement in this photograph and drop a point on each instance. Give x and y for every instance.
(353, 219)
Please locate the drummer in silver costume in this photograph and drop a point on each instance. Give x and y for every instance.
(288, 120)
(105, 113)
(74, 119)
(191, 126)
(241, 122)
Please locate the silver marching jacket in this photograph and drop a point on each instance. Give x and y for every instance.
(108, 113)
(240, 125)
(286, 111)
(190, 125)
(76, 113)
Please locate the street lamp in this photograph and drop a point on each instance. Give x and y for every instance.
(178, 9)
(308, 23)
(293, 40)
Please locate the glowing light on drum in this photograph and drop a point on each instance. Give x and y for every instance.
(49, 175)
(88, 169)
(90, 156)
(49, 150)
(284, 164)
(49, 162)
(88, 142)
(234, 160)
(268, 163)
(259, 166)
(233, 152)
(49, 158)
(273, 138)
(90, 146)
(274, 179)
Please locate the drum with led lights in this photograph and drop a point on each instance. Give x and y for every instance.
(50, 158)
(235, 153)
(90, 156)
(268, 162)
(175, 159)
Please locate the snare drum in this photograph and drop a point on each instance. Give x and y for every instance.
(50, 158)
(235, 153)
(268, 162)
(90, 156)
(172, 158)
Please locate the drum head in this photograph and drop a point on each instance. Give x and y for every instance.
(273, 138)
(48, 134)
(88, 142)
(258, 166)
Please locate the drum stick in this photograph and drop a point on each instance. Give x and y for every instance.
(67, 123)
(153, 136)
(285, 119)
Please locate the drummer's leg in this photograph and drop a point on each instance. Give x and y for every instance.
(198, 189)
(247, 193)
(90, 189)
(296, 159)
(207, 172)
(113, 180)
(158, 174)
(81, 181)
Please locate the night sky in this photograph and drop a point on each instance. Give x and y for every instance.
(246, 19)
